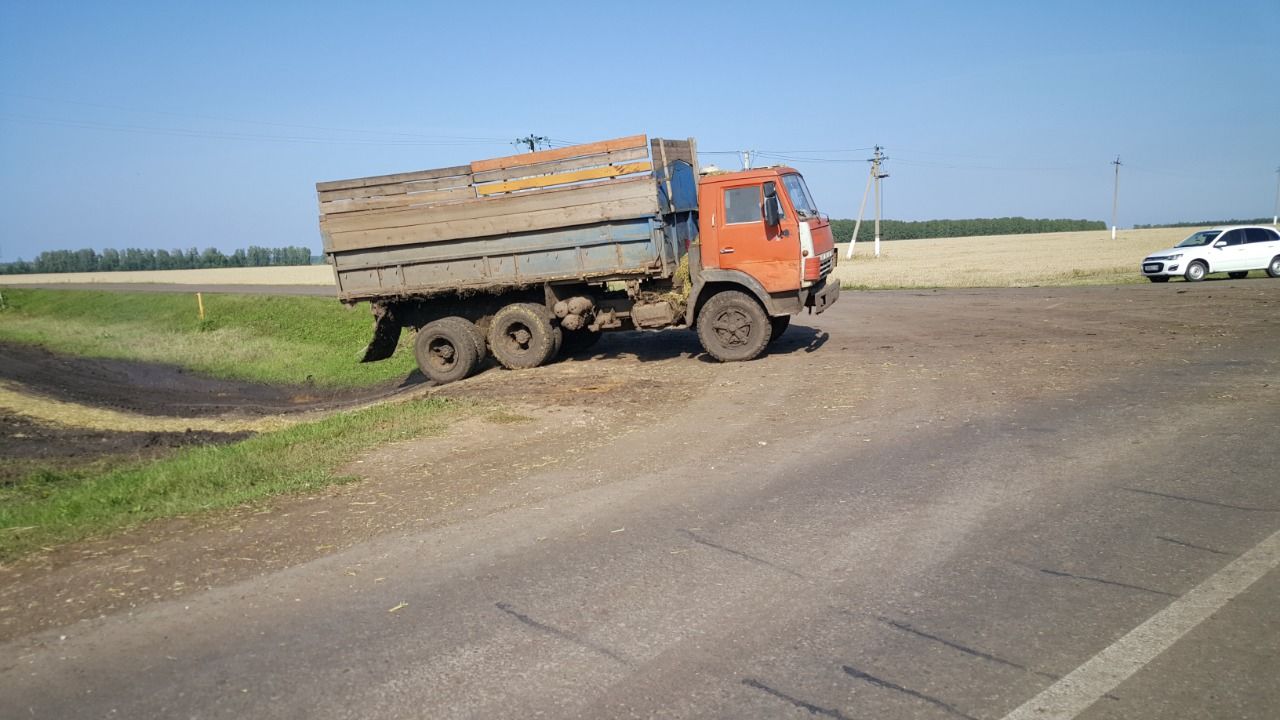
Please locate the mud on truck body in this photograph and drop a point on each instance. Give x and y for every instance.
(529, 256)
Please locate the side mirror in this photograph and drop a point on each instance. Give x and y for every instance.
(772, 205)
(1220, 244)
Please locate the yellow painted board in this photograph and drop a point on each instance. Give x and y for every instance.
(564, 178)
(559, 153)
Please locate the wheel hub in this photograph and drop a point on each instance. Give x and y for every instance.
(733, 327)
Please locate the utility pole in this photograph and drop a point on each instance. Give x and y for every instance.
(874, 176)
(1115, 196)
(1275, 218)
(875, 172)
(532, 141)
(861, 208)
(746, 159)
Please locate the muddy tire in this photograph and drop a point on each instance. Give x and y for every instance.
(1238, 274)
(477, 336)
(445, 350)
(524, 335)
(733, 327)
(777, 325)
(1273, 270)
(1196, 271)
(575, 341)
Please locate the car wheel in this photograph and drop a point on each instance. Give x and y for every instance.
(1238, 274)
(1196, 271)
(1273, 269)
(1158, 278)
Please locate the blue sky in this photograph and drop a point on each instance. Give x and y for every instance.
(174, 124)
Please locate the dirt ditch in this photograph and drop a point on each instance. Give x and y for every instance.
(158, 389)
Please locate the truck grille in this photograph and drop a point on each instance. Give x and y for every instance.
(825, 262)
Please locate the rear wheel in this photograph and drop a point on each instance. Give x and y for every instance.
(1273, 270)
(1159, 278)
(733, 327)
(445, 351)
(477, 335)
(1238, 275)
(1196, 271)
(524, 335)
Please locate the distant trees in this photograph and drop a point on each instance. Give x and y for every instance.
(110, 259)
(1207, 223)
(912, 229)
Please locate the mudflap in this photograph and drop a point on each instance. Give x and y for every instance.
(386, 335)
(823, 297)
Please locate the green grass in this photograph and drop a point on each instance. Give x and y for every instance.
(50, 506)
(248, 337)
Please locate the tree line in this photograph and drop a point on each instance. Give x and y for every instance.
(914, 229)
(88, 260)
(1206, 223)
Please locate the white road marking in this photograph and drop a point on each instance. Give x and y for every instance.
(1074, 693)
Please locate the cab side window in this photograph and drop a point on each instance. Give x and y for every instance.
(742, 205)
(1235, 237)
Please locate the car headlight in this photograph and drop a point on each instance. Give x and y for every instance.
(1174, 256)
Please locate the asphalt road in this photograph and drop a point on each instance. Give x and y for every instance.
(969, 504)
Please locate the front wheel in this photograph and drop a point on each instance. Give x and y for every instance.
(733, 327)
(445, 351)
(1196, 271)
(1273, 270)
(1238, 275)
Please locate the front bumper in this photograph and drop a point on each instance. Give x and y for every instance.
(1163, 267)
(823, 296)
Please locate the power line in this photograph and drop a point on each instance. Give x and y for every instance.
(228, 135)
(532, 141)
(124, 108)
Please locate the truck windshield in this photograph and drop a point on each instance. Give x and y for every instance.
(800, 198)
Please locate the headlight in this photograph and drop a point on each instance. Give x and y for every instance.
(1174, 256)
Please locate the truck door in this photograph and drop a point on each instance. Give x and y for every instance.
(769, 254)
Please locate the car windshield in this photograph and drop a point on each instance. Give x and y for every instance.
(800, 198)
(1204, 237)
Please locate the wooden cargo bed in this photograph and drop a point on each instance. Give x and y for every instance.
(584, 211)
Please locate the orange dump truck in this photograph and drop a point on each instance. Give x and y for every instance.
(529, 256)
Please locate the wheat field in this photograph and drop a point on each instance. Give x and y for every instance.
(286, 275)
(1071, 258)
(1088, 257)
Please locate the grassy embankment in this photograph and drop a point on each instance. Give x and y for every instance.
(269, 339)
(249, 337)
(55, 506)
(1089, 257)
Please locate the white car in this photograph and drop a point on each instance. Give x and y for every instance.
(1233, 250)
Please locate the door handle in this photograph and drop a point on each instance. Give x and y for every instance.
(725, 251)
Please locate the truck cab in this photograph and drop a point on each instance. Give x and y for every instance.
(761, 229)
